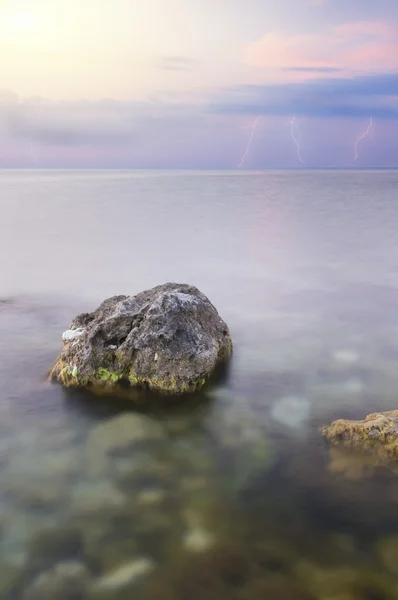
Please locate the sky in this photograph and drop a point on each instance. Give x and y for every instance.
(209, 84)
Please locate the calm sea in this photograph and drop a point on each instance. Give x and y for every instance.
(240, 498)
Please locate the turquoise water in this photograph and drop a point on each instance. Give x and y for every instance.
(233, 494)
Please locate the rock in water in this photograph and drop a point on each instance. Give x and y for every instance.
(168, 339)
(377, 433)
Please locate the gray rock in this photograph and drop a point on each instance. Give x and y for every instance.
(169, 339)
(67, 581)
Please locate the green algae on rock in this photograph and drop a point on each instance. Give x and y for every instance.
(169, 339)
(377, 434)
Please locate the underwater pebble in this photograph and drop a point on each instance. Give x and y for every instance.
(191, 484)
(10, 577)
(198, 540)
(35, 494)
(60, 439)
(292, 411)
(344, 542)
(250, 460)
(329, 582)
(120, 578)
(337, 391)
(353, 386)
(236, 427)
(46, 465)
(117, 435)
(180, 425)
(387, 549)
(49, 547)
(123, 431)
(223, 395)
(68, 580)
(148, 497)
(20, 527)
(96, 498)
(346, 356)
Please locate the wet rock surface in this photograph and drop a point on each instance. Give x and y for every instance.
(169, 339)
(116, 436)
(376, 434)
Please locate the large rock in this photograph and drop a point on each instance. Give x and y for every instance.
(377, 433)
(169, 339)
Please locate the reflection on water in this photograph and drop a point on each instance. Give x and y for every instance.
(234, 494)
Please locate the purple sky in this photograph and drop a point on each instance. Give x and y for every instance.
(177, 84)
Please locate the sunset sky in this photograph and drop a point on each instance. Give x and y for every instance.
(189, 83)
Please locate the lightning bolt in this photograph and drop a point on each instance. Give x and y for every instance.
(293, 130)
(361, 137)
(33, 155)
(249, 142)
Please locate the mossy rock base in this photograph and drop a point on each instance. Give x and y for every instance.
(377, 434)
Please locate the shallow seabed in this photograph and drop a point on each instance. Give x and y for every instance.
(232, 494)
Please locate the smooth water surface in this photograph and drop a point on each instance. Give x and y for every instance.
(234, 494)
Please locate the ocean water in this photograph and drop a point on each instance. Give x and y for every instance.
(232, 494)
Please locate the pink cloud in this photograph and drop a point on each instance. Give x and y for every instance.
(353, 47)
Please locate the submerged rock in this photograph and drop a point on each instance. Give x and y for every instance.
(96, 500)
(35, 494)
(291, 411)
(198, 540)
(121, 432)
(328, 582)
(387, 549)
(10, 579)
(353, 465)
(67, 581)
(50, 547)
(169, 339)
(117, 435)
(377, 433)
(120, 579)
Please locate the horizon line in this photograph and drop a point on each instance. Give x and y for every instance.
(229, 169)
